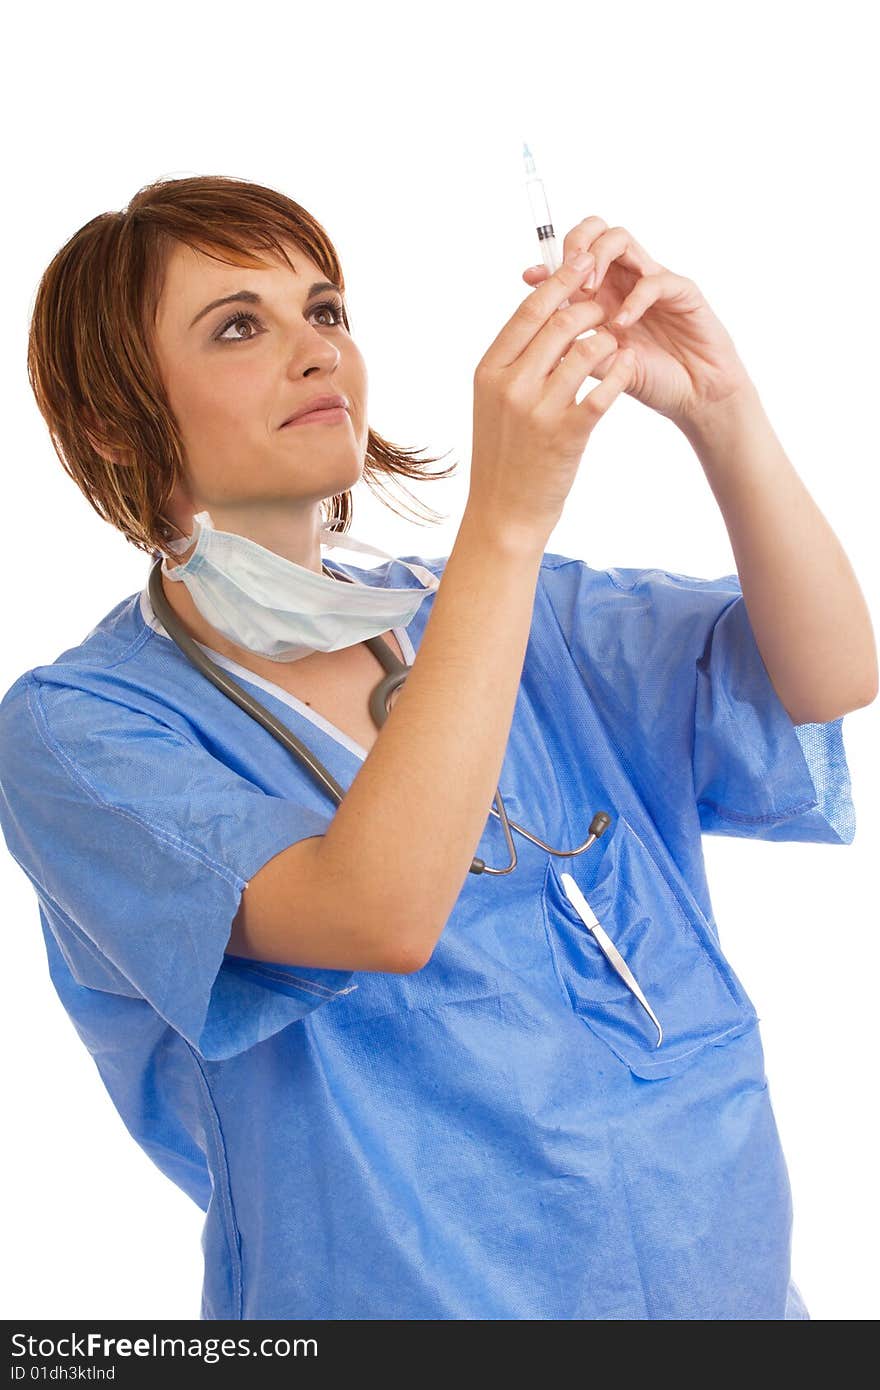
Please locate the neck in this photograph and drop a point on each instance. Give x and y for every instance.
(293, 534)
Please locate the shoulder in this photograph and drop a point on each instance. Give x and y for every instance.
(110, 641)
(73, 713)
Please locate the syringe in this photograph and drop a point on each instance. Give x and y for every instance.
(543, 221)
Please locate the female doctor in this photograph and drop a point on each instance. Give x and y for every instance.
(399, 1087)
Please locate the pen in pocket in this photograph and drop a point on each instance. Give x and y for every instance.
(607, 946)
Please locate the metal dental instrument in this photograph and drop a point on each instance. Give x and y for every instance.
(607, 946)
(396, 674)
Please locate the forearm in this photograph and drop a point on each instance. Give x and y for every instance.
(404, 836)
(808, 614)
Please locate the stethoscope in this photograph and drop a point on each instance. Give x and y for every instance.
(395, 674)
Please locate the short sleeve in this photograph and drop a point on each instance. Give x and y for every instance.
(141, 843)
(755, 772)
(674, 671)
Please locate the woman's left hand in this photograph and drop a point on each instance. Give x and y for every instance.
(685, 360)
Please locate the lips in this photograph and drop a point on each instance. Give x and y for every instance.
(318, 403)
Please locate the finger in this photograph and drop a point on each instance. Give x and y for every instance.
(569, 376)
(583, 236)
(597, 402)
(561, 335)
(664, 285)
(603, 366)
(537, 274)
(532, 315)
(617, 244)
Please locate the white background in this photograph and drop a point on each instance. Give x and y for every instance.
(738, 144)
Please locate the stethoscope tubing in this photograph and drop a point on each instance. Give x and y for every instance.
(395, 675)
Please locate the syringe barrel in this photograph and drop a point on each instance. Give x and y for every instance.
(546, 236)
(540, 210)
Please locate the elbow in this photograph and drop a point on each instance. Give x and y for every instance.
(861, 702)
(408, 962)
(404, 947)
(409, 956)
(826, 714)
(870, 687)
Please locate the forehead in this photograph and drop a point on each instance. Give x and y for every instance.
(191, 277)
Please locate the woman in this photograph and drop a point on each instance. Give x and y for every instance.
(399, 1088)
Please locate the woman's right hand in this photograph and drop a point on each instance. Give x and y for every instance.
(529, 434)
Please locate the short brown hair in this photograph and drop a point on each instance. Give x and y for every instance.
(90, 363)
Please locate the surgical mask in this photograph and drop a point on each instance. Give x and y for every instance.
(283, 611)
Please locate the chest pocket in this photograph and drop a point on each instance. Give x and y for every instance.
(667, 946)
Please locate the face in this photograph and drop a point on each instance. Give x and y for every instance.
(234, 374)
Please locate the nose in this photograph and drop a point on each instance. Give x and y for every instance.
(316, 352)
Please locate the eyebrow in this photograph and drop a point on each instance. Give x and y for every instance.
(250, 297)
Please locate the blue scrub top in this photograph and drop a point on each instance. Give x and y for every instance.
(496, 1135)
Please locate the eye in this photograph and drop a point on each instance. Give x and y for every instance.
(331, 306)
(242, 317)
